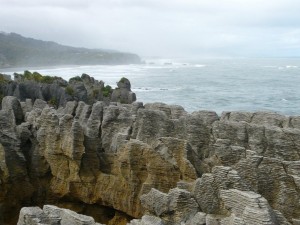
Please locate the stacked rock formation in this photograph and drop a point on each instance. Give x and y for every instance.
(57, 92)
(151, 164)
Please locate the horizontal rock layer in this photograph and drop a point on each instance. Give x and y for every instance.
(154, 162)
(52, 215)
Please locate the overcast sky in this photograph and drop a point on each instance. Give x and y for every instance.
(165, 28)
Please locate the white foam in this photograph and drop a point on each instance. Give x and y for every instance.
(199, 65)
(291, 66)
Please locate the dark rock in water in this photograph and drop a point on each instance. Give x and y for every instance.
(123, 93)
(155, 163)
(124, 83)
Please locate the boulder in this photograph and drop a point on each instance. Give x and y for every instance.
(52, 215)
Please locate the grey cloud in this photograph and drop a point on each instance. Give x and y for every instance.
(45, 3)
(155, 27)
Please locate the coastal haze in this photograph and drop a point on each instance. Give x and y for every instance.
(177, 28)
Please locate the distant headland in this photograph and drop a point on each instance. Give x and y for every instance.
(17, 51)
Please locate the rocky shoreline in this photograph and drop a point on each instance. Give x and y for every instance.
(146, 164)
(57, 91)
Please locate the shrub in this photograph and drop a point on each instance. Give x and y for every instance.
(106, 91)
(69, 90)
(38, 77)
(32, 76)
(77, 78)
(27, 75)
(123, 80)
(47, 79)
(53, 101)
(2, 79)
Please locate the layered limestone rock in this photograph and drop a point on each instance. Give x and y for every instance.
(51, 215)
(179, 207)
(155, 163)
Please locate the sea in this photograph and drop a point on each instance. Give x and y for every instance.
(230, 84)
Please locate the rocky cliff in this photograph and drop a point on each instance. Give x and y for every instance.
(149, 164)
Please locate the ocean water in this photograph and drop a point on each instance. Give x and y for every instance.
(210, 84)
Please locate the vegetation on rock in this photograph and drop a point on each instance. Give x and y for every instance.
(33, 85)
(69, 90)
(53, 102)
(77, 78)
(106, 91)
(2, 79)
(123, 80)
(35, 76)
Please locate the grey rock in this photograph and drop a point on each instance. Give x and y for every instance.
(123, 92)
(198, 219)
(39, 104)
(249, 207)
(52, 215)
(70, 107)
(176, 207)
(12, 103)
(155, 202)
(116, 127)
(147, 220)
(172, 111)
(124, 83)
(207, 188)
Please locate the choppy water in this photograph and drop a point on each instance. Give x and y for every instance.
(219, 85)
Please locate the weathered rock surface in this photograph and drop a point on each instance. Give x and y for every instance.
(154, 162)
(123, 92)
(52, 215)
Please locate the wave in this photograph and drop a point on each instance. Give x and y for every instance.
(291, 66)
(145, 89)
(282, 67)
(199, 65)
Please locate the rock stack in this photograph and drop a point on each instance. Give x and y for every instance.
(57, 92)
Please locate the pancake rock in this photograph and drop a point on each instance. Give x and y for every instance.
(51, 215)
(150, 164)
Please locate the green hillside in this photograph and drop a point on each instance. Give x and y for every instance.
(16, 50)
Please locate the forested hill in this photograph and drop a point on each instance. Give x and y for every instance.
(16, 50)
